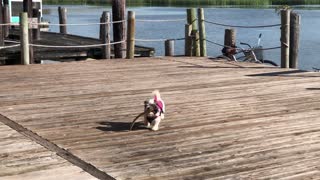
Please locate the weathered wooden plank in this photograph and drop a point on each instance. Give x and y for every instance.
(22, 158)
(224, 119)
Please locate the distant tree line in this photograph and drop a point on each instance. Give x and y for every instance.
(188, 2)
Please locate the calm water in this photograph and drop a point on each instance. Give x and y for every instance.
(310, 36)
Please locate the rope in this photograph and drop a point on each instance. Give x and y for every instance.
(7, 24)
(227, 25)
(9, 41)
(150, 40)
(160, 20)
(263, 49)
(81, 24)
(80, 46)
(158, 40)
(216, 43)
(7, 47)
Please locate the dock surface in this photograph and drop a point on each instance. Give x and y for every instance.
(224, 120)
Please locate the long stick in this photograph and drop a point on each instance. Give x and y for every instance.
(136, 119)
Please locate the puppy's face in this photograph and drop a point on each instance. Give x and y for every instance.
(151, 109)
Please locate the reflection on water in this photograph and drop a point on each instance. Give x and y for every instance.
(310, 37)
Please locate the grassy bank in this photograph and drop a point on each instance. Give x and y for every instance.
(189, 2)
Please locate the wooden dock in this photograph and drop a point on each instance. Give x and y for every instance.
(224, 120)
(12, 55)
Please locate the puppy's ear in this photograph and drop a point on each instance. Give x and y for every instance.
(146, 102)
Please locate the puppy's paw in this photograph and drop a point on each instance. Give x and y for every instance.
(154, 128)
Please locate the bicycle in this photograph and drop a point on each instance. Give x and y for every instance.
(249, 54)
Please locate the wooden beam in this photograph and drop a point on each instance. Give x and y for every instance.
(6, 17)
(119, 29)
(202, 33)
(285, 38)
(188, 40)
(131, 34)
(169, 47)
(62, 19)
(105, 35)
(295, 20)
(230, 37)
(1, 27)
(24, 38)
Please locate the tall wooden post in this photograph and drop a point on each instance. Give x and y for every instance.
(285, 38)
(119, 29)
(36, 30)
(188, 40)
(192, 18)
(6, 17)
(27, 7)
(169, 47)
(62, 19)
(131, 34)
(294, 39)
(195, 43)
(202, 33)
(1, 27)
(105, 35)
(24, 38)
(230, 37)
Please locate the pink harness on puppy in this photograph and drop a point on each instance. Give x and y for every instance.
(160, 105)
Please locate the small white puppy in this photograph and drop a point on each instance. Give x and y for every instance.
(155, 109)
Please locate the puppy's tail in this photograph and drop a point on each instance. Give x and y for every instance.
(156, 95)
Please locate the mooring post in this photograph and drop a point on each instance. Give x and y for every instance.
(169, 47)
(1, 27)
(230, 37)
(119, 28)
(27, 7)
(6, 17)
(24, 40)
(192, 20)
(131, 29)
(105, 34)
(295, 20)
(202, 33)
(36, 28)
(285, 38)
(195, 43)
(63, 19)
(188, 40)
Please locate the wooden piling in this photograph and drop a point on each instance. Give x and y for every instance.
(169, 47)
(285, 38)
(24, 40)
(230, 37)
(202, 33)
(294, 39)
(36, 29)
(105, 34)
(27, 7)
(1, 27)
(192, 18)
(131, 34)
(6, 17)
(195, 43)
(62, 19)
(188, 40)
(119, 29)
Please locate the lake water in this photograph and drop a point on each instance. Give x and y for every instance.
(309, 42)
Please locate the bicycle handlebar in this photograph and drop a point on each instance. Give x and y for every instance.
(242, 43)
